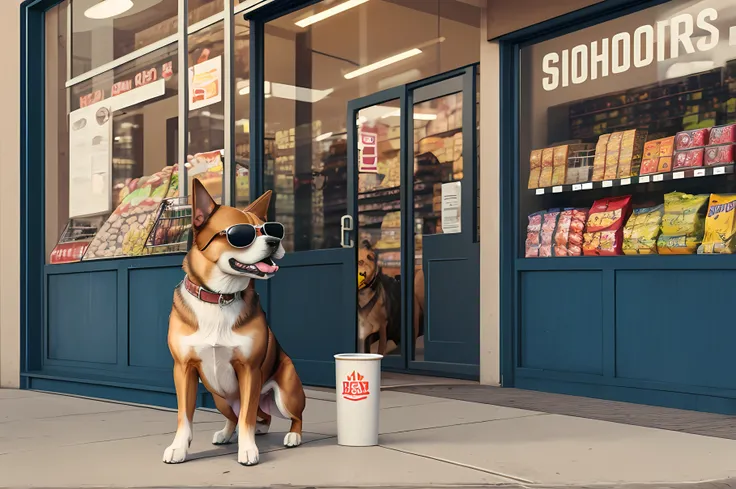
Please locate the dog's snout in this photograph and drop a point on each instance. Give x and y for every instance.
(272, 242)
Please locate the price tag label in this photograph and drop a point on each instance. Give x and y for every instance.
(678, 175)
(700, 172)
(658, 178)
(721, 170)
(557, 189)
(625, 181)
(588, 186)
(607, 183)
(576, 187)
(540, 191)
(644, 179)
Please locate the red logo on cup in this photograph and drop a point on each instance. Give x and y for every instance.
(355, 388)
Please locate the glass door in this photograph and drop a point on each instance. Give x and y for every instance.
(376, 158)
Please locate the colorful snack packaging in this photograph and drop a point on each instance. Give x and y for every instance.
(666, 146)
(722, 135)
(682, 223)
(599, 161)
(651, 149)
(561, 233)
(649, 166)
(665, 164)
(602, 243)
(545, 177)
(575, 233)
(533, 237)
(720, 225)
(549, 223)
(697, 138)
(719, 155)
(535, 168)
(608, 214)
(689, 158)
(632, 147)
(641, 231)
(613, 151)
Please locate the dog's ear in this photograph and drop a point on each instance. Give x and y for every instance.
(203, 205)
(259, 207)
(366, 244)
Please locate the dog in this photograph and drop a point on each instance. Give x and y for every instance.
(379, 304)
(218, 331)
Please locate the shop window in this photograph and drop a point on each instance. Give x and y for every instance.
(314, 65)
(241, 72)
(627, 135)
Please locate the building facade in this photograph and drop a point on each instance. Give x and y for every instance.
(481, 161)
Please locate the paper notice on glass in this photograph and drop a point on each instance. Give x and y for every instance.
(90, 161)
(451, 208)
(205, 83)
(367, 150)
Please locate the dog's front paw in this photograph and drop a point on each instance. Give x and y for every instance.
(292, 440)
(175, 454)
(248, 455)
(224, 436)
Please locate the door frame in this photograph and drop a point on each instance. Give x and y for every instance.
(466, 80)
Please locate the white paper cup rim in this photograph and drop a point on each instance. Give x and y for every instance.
(358, 356)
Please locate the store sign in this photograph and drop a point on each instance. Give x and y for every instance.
(615, 55)
(141, 79)
(91, 98)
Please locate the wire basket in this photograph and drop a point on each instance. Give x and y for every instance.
(173, 226)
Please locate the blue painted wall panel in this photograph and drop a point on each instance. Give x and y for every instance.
(150, 294)
(82, 317)
(676, 326)
(562, 321)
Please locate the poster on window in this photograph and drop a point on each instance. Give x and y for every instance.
(205, 83)
(90, 160)
(367, 151)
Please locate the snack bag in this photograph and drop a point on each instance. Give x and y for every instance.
(682, 223)
(683, 214)
(603, 243)
(562, 232)
(575, 234)
(533, 239)
(641, 231)
(720, 225)
(549, 224)
(608, 214)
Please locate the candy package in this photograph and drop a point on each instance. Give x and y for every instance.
(722, 135)
(682, 223)
(697, 138)
(641, 231)
(688, 158)
(720, 225)
(603, 243)
(549, 223)
(533, 235)
(608, 214)
(719, 155)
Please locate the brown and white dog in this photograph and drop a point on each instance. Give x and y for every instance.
(218, 331)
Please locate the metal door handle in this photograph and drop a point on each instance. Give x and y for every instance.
(346, 227)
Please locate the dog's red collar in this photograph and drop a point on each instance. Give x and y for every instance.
(207, 295)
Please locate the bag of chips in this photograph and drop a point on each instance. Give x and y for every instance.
(608, 214)
(575, 235)
(682, 223)
(720, 225)
(562, 232)
(603, 243)
(533, 237)
(549, 224)
(641, 231)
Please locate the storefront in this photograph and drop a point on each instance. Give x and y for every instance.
(362, 118)
(617, 205)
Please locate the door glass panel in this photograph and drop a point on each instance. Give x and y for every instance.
(438, 160)
(379, 228)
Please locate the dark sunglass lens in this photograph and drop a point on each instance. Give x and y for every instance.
(274, 229)
(241, 235)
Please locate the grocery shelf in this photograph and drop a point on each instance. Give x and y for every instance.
(688, 173)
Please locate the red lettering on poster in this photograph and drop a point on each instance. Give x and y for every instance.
(121, 87)
(91, 98)
(145, 77)
(68, 252)
(355, 388)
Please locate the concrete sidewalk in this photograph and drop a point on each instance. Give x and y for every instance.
(51, 440)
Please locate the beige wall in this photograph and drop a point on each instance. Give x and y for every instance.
(504, 17)
(10, 197)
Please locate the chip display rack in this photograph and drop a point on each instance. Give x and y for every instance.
(173, 226)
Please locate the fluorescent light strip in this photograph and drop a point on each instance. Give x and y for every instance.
(313, 19)
(290, 92)
(324, 136)
(418, 116)
(383, 63)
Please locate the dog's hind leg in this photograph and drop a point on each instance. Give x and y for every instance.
(290, 399)
(228, 434)
(263, 423)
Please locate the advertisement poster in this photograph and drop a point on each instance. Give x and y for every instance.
(451, 222)
(90, 160)
(205, 83)
(367, 150)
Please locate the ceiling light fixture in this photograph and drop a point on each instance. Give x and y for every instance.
(107, 9)
(313, 19)
(383, 63)
(290, 92)
(418, 116)
(324, 136)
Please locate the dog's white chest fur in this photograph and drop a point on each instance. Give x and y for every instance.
(215, 342)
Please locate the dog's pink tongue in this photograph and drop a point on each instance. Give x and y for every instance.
(266, 268)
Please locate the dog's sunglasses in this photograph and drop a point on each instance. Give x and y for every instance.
(243, 235)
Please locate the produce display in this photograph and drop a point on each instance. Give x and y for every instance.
(682, 223)
(126, 230)
(720, 225)
(641, 231)
(604, 229)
